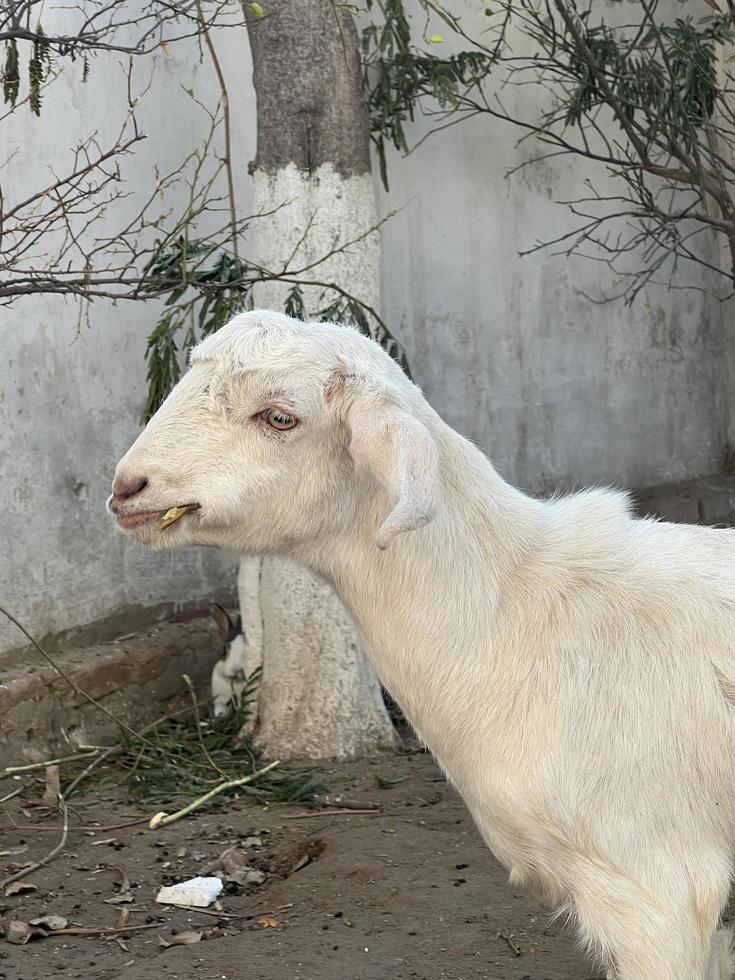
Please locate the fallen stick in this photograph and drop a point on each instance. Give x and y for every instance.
(15, 770)
(91, 931)
(96, 830)
(9, 796)
(333, 813)
(342, 803)
(163, 819)
(51, 854)
(213, 912)
(514, 949)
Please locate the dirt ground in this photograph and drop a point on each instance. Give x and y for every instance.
(407, 892)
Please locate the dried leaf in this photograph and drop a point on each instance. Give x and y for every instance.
(268, 922)
(385, 782)
(186, 938)
(50, 922)
(121, 899)
(124, 879)
(122, 918)
(174, 513)
(295, 858)
(125, 894)
(236, 867)
(233, 860)
(53, 787)
(20, 888)
(20, 932)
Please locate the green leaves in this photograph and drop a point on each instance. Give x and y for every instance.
(38, 69)
(181, 759)
(665, 75)
(39, 66)
(294, 305)
(204, 288)
(397, 76)
(11, 74)
(346, 309)
(387, 782)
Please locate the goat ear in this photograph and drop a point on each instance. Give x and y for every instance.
(223, 622)
(401, 454)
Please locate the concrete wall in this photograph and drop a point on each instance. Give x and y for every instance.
(71, 394)
(558, 390)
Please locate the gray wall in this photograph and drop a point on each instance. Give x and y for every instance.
(557, 389)
(72, 392)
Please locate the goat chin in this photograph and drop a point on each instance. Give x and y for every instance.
(571, 667)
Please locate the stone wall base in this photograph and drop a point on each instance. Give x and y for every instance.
(710, 500)
(137, 677)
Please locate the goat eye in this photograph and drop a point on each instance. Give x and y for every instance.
(278, 419)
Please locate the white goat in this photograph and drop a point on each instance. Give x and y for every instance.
(572, 668)
(229, 674)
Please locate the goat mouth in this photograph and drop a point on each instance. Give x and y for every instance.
(164, 517)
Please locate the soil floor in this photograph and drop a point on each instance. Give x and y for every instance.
(409, 891)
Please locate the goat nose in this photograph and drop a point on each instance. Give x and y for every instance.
(125, 487)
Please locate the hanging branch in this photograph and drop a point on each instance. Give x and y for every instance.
(651, 102)
(115, 26)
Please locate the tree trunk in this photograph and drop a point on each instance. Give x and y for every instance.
(318, 696)
(726, 54)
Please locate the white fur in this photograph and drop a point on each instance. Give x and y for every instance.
(229, 678)
(571, 667)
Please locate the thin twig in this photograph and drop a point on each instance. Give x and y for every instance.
(226, 125)
(213, 912)
(91, 931)
(512, 946)
(83, 829)
(113, 750)
(197, 721)
(163, 819)
(15, 770)
(332, 813)
(51, 854)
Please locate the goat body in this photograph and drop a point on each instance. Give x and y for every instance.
(573, 671)
(571, 667)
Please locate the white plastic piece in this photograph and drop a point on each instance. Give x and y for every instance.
(197, 892)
